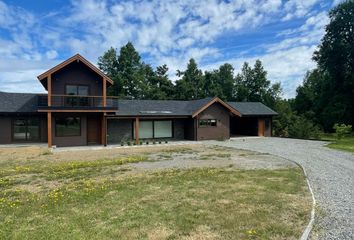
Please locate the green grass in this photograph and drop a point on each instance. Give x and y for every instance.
(345, 144)
(174, 204)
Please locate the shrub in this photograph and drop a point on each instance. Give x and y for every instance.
(342, 130)
(129, 143)
(122, 143)
(303, 128)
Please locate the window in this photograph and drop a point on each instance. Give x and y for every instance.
(77, 90)
(162, 129)
(26, 129)
(67, 126)
(154, 129)
(207, 123)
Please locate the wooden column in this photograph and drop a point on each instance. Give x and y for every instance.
(49, 87)
(49, 126)
(104, 92)
(136, 131)
(104, 131)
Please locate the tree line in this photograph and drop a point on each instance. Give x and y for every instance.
(326, 96)
(135, 79)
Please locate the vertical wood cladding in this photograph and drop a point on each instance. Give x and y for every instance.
(77, 73)
(222, 129)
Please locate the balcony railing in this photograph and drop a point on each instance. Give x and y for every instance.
(77, 102)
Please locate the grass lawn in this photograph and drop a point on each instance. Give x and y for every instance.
(102, 199)
(346, 143)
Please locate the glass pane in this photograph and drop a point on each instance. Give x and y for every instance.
(69, 126)
(71, 90)
(145, 129)
(19, 129)
(33, 129)
(83, 90)
(163, 129)
(213, 122)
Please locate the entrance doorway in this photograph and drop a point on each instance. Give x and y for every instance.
(93, 130)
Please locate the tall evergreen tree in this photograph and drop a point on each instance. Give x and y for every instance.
(191, 85)
(159, 87)
(335, 60)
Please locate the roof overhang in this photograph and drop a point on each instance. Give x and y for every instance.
(217, 100)
(76, 57)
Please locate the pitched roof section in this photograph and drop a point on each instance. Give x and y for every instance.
(18, 102)
(70, 60)
(252, 109)
(159, 107)
(186, 108)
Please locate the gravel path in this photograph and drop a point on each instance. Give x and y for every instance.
(331, 174)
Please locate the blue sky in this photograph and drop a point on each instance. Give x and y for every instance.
(36, 35)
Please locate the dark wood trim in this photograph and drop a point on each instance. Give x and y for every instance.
(70, 60)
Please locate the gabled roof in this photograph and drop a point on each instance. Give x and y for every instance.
(18, 102)
(252, 109)
(76, 57)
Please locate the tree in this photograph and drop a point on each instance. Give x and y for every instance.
(335, 61)
(252, 85)
(159, 85)
(227, 81)
(108, 63)
(191, 85)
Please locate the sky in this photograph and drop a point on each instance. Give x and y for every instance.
(36, 35)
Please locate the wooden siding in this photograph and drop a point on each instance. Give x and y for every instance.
(222, 129)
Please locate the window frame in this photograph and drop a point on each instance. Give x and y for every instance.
(77, 89)
(26, 120)
(208, 123)
(153, 129)
(71, 135)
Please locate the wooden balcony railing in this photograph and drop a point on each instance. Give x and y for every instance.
(77, 102)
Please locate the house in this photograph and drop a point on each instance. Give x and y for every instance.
(77, 111)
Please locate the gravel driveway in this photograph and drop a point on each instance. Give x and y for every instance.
(331, 174)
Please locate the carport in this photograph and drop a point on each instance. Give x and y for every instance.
(255, 119)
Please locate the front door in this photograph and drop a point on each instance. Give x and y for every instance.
(93, 130)
(261, 127)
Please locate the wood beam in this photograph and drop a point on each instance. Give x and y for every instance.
(49, 87)
(49, 127)
(104, 92)
(137, 131)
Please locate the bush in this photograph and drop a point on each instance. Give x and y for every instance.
(303, 128)
(342, 130)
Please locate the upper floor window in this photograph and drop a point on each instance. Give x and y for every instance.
(77, 90)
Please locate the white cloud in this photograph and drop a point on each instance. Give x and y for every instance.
(166, 31)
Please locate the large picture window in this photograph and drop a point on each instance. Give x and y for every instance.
(154, 129)
(26, 129)
(67, 126)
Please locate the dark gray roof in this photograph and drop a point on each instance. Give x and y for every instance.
(18, 102)
(27, 103)
(252, 108)
(159, 107)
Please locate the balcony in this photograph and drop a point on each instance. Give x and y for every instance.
(73, 102)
